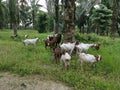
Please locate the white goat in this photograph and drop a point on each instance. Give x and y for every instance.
(30, 41)
(66, 59)
(83, 57)
(83, 47)
(68, 47)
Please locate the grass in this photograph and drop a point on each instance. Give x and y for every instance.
(31, 60)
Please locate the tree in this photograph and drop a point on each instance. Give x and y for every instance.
(13, 8)
(115, 9)
(101, 19)
(56, 22)
(2, 14)
(119, 20)
(42, 22)
(53, 11)
(83, 11)
(34, 8)
(69, 20)
(25, 16)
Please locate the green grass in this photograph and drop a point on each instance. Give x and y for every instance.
(31, 60)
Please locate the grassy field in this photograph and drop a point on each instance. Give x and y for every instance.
(32, 60)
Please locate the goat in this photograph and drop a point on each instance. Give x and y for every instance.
(56, 36)
(65, 57)
(57, 54)
(30, 41)
(97, 46)
(53, 40)
(83, 47)
(49, 43)
(50, 37)
(69, 46)
(89, 58)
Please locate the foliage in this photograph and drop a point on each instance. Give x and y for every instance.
(3, 14)
(42, 23)
(83, 10)
(50, 22)
(101, 19)
(87, 37)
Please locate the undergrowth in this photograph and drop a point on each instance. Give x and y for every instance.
(31, 60)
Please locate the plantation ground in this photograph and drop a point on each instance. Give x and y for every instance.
(14, 82)
(36, 61)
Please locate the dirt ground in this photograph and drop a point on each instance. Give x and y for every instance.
(14, 82)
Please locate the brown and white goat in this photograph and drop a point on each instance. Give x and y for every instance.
(82, 47)
(89, 58)
(65, 58)
(53, 40)
(69, 47)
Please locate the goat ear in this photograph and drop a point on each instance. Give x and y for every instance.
(63, 51)
(96, 57)
(77, 42)
(100, 57)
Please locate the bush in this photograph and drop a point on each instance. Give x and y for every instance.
(42, 23)
(87, 37)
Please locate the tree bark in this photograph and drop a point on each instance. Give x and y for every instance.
(114, 19)
(56, 22)
(15, 29)
(69, 20)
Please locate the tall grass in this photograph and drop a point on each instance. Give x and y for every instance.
(27, 60)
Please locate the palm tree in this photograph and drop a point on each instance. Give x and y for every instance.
(13, 8)
(115, 8)
(34, 4)
(24, 14)
(83, 11)
(2, 14)
(53, 11)
(69, 20)
(56, 22)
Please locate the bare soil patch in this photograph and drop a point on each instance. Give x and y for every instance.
(14, 82)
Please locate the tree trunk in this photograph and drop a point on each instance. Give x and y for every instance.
(56, 22)
(33, 18)
(15, 30)
(69, 20)
(114, 19)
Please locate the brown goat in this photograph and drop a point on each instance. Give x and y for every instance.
(49, 43)
(57, 54)
(53, 41)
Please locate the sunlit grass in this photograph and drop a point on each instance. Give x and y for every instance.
(27, 60)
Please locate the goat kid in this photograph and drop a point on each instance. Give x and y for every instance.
(57, 54)
(66, 58)
(89, 58)
(30, 41)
